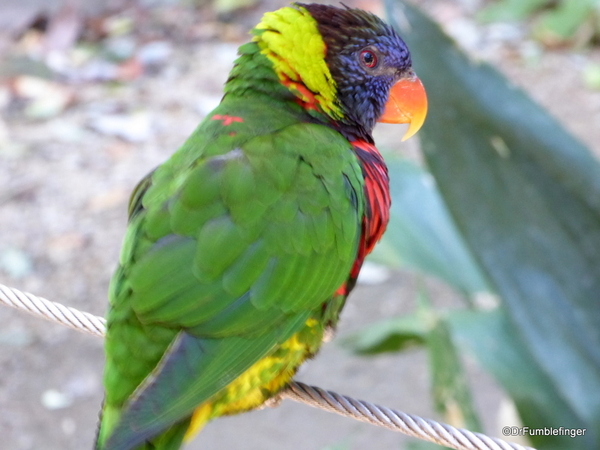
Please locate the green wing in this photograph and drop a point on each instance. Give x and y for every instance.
(226, 257)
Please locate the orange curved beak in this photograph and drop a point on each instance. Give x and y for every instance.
(407, 103)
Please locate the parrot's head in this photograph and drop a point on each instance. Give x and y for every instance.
(345, 63)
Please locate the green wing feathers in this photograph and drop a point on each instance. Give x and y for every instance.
(232, 245)
(217, 249)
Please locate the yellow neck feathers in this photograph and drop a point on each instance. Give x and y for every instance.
(289, 37)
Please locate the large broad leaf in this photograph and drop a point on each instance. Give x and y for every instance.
(450, 390)
(525, 195)
(425, 326)
(492, 338)
(392, 335)
(421, 234)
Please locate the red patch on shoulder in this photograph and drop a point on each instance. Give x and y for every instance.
(377, 211)
(342, 290)
(377, 192)
(227, 120)
(304, 96)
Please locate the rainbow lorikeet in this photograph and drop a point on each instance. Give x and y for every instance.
(242, 248)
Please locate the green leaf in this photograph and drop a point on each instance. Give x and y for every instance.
(494, 341)
(421, 234)
(391, 335)
(511, 10)
(422, 445)
(561, 23)
(525, 196)
(449, 386)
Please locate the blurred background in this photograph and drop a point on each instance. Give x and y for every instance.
(94, 94)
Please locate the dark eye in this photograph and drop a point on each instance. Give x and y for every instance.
(368, 58)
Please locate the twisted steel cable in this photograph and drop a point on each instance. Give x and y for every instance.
(55, 312)
(425, 429)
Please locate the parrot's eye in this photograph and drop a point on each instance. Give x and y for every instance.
(368, 58)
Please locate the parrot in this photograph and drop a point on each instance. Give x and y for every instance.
(241, 249)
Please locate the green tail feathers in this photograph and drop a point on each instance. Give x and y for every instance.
(171, 439)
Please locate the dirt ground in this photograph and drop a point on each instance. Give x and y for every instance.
(66, 170)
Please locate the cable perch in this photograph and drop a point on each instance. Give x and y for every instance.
(425, 429)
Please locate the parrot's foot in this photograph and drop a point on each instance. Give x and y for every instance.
(328, 334)
(272, 402)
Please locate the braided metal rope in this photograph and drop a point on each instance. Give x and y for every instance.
(415, 426)
(408, 424)
(55, 312)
